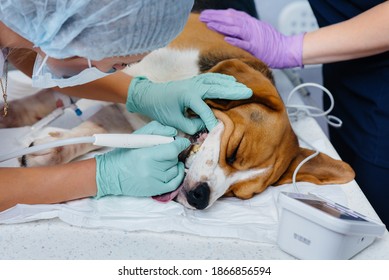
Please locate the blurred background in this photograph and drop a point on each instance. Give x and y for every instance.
(291, 17)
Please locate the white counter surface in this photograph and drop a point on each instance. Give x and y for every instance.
(53, 239)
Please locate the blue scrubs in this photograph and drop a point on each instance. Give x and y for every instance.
(361, 91)
(247, 6)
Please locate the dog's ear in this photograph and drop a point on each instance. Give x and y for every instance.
(255, 75)
(320, 170)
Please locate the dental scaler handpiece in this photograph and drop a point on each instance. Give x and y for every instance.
(130, 140)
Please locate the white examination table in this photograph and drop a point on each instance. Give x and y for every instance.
(52, 238)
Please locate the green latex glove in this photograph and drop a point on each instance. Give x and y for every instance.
(167, 102)
(156, 128)
(142, 172)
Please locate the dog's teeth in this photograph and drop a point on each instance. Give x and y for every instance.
(192, 154)
(196, 148)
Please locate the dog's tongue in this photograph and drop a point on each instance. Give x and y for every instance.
(166, 197)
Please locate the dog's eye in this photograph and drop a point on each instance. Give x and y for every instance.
(230, 159)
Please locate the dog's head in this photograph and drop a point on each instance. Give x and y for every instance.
(253, 146)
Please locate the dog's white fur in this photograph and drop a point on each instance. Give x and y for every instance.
(167, 64)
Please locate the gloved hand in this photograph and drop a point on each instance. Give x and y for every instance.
(142, 172)
(167, 102)
(156, 128)
(257, 37)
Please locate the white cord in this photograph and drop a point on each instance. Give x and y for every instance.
(45, 146)
(296, 112)
(130, 141)
(317, 152)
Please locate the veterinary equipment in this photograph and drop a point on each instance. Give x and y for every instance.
(65, 117)
(53, 116)
(312, 227)
(106, 140)
(73, 114)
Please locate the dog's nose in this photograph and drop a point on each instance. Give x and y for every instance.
(199, 197)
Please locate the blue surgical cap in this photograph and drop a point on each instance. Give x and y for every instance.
(96, 29)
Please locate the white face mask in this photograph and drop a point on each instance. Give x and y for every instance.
(43, 77)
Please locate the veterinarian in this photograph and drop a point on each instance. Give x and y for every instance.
(76, 45)
(353, 45)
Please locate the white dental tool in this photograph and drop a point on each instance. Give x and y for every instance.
(105, 140)
(130, 140)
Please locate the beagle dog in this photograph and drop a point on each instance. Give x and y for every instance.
(251, 148)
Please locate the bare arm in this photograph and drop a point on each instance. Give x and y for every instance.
(47, 184)
(364, 35)
(113, 88)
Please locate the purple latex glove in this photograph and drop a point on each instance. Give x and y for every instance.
(257, 37)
